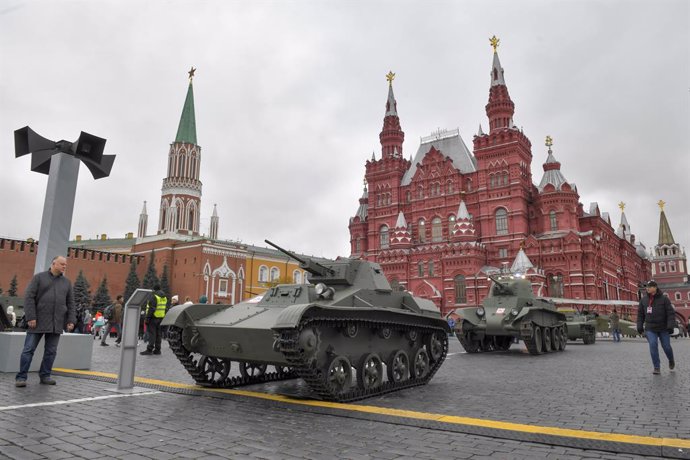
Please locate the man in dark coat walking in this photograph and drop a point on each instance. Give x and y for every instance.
(657, 318)
(49, 309)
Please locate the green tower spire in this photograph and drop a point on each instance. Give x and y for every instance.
(186, 132)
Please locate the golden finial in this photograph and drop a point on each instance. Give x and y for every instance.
(494, 42)
(191, 73)
(549, 141)
(390, 76)
(661, 204)
(622, 206)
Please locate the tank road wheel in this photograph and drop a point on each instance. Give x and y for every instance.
(339, 375)
(534, 345)
(252, 369)
(546, 336)
(385, 333)
(555, 339)
(434, 345)
(564, 337)
(398, 367)
(370, 372)
(215, 370)
(420, 364)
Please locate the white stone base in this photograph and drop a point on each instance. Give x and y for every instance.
(74, 351)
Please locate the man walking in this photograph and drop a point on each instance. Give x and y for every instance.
(49, 309)
(154, 315)
(658, 317)
(114, 323)
(615, 325)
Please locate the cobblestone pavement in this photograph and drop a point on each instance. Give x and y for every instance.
(605, 387)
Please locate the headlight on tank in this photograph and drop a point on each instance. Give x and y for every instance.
(324, 291)
(514, 311)
(480, 311)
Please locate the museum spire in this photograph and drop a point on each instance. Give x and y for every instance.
(186, 131)
(391, 136)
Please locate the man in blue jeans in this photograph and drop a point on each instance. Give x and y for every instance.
(49, 309)
(657, 318)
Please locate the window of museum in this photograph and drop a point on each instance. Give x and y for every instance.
(460, 289)
(408, 196)
(556, 285)
(449, 187)
(662, 267)
(501, 221)
(383, 237)
(431, 268)
(357, 245)
(275, 274)
(672, 266)
(436, 230)
(502, 253)
(678, 296)
(422, 231)
(223, 287)
(420, 269)
(420, 192)
(263, 274)
(296, 277)
(553, 221)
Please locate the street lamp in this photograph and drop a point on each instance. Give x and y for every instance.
(60, 160)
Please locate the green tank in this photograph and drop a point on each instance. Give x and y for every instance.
(581, 325)
(347, 334)
(509, 312)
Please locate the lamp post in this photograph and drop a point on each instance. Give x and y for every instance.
(60, 161)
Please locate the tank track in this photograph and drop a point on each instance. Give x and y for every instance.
(313, 376)
(174, 337)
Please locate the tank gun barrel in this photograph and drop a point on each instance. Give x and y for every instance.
(498, 283)
(309, 265)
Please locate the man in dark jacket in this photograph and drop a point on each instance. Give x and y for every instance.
(49, 309)
(658, 317)
(155, 311)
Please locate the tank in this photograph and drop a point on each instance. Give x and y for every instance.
(581, 325)
(509, 312)
(347, 334)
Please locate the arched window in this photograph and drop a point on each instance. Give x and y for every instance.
(431, 268)
(275, 274)
(358, 245)
(501, 221)
(297, 277)
(662, 267)
(672, 266)
(556, 285)
(492, 179)
(460, 289)
(263, 274)
(436, 230)
(422, 231)
(420, 269)
(384, 238)
(552, 220)
(449, 187)
(420, 192)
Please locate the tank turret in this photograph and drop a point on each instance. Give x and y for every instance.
(347, 334)
(511, 311)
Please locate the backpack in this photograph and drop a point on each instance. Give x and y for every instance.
(109, 312)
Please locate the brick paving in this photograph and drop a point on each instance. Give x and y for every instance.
(602, 387)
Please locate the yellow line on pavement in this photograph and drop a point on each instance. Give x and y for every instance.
(451, 419)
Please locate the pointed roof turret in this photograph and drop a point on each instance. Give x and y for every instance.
(401, 234)
(665, 235)
(362, 211)
(464, 228)
(143, 210)
(186, 131)
(215, 211)
(480, 132)
(623, 230)
(521, 264)
(391, 136)
(552, 170)
(500, 108)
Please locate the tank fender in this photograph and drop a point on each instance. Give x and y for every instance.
(290, 316)
(181, 315)
(468, 314)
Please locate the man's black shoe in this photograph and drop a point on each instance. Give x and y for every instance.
(103, 344)
(656, 371)
(20, 383)
(48, 381)
(146, 352)
(157, 352)
(671, 365)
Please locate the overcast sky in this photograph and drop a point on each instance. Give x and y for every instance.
(290, 98)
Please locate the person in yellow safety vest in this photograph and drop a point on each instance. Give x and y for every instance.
(155, 311)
